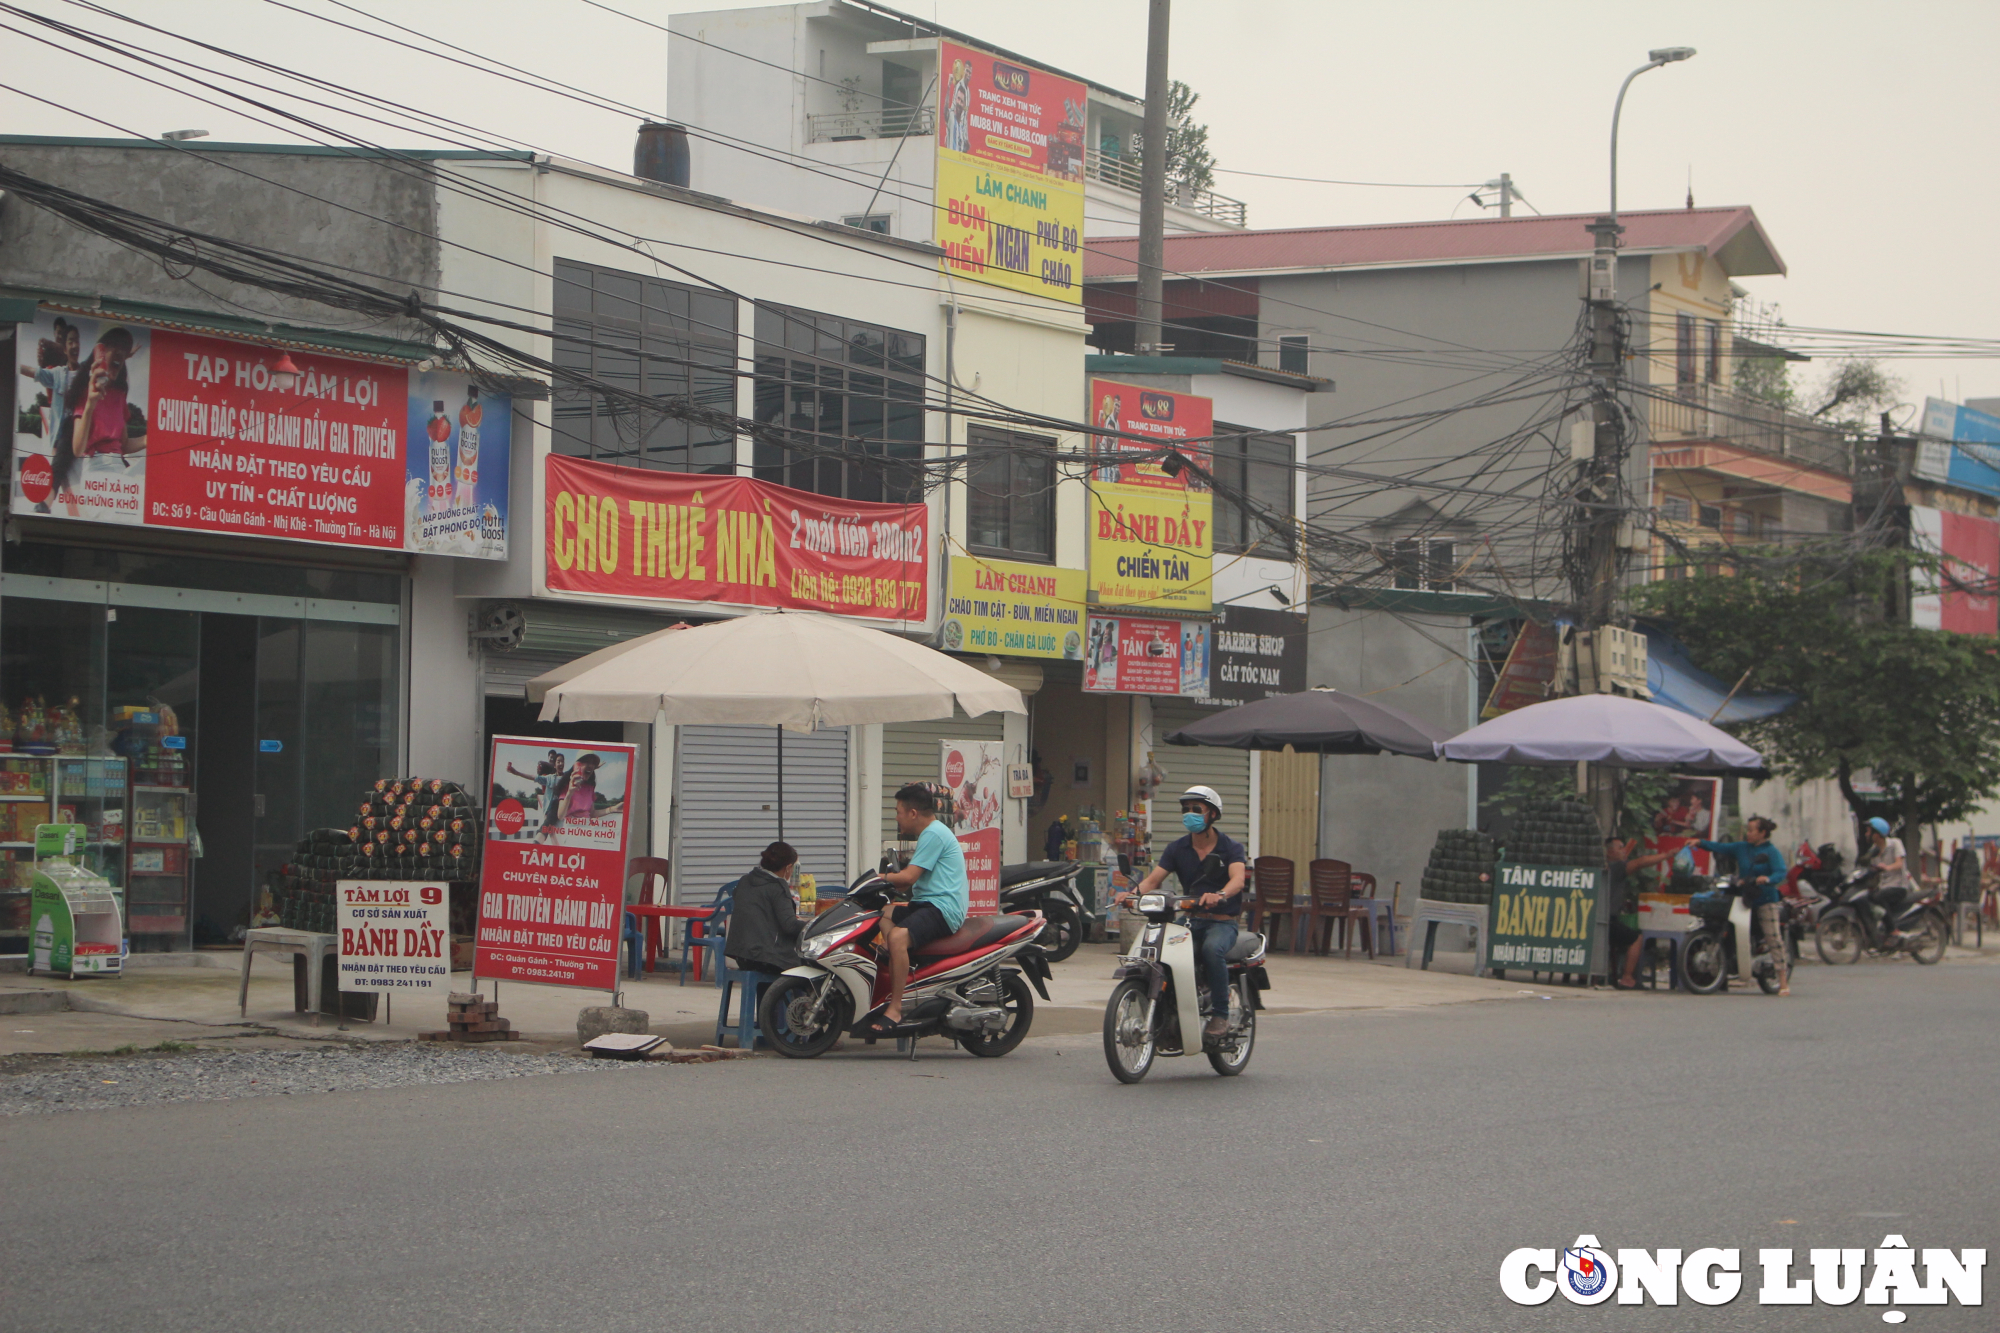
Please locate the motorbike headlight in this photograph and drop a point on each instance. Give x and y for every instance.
(825, 943)
(1152, 902)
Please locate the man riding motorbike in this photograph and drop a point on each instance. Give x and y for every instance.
(1762, 865)
(1885, 854)
(1212, 867)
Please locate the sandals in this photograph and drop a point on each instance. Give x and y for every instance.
(882, 1026)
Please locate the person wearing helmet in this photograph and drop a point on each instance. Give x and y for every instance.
(1212, 867)
(1760, 866)
(1885, 855)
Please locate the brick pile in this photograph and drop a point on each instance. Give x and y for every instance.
(470, 1018)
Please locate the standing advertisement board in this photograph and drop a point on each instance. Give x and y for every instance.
(734, 541)
(1150, 535)
(395, 935)
(1541, 918)
(552, 876)
(974, 772)
(1013, 609)
(119, 423)
(1959, 598)
(1010, 173)
(1147, 655)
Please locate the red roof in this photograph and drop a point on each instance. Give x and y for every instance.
(1732, 235)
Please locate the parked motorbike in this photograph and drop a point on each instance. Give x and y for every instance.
(1860, 922)
(972, 985)
(1159, 1002)
(1727, 940)
(1048, 887)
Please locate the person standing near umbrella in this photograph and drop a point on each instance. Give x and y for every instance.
(1761, 867)
(1213, 868)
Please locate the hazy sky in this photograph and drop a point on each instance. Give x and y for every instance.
(1861, 133)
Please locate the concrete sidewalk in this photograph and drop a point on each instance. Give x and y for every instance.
(152, 1004)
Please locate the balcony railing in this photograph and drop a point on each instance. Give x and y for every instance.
(1698, 412)
(1124, 174)
(899, 122)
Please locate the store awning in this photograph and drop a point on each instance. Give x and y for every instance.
(1678, 683)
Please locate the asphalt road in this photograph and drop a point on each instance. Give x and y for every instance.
(1370, 1171)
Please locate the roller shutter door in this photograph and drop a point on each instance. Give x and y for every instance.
(726, 803)
(1228, 771)
(911, 753)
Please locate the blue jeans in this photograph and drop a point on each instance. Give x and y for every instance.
(1212, 943)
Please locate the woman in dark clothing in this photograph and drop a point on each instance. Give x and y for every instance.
(764, 923)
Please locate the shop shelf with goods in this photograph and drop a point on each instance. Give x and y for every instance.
(43, 789)
(160, 865)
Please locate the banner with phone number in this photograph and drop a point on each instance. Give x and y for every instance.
(693, 537)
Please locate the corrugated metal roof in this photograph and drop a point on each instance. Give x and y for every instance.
(1733, 235)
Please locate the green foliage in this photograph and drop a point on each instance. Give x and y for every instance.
(1189, 162)
(1530, 786)
(1768, 379)
(1641, 792)
(1854, 387)
(1919, 707)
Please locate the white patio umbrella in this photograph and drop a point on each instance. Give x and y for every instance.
(1604, 729)
(800, 670)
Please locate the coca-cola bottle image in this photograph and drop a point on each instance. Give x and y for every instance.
(437, 497)
(466, 478)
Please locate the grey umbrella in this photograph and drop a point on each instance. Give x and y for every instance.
(1317, 721)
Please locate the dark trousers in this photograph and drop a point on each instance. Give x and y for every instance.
(1212, 942)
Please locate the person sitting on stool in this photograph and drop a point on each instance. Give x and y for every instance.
(764, 924)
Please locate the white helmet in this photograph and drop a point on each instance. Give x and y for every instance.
(1204, 794)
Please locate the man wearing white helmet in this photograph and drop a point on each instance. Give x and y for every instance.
(1212, 867)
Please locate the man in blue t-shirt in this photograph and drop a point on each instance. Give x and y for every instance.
(938, 902)
(1212, 867)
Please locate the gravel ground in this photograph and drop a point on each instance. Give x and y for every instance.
(36, 1085)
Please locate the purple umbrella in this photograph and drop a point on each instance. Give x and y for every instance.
(1604, 729)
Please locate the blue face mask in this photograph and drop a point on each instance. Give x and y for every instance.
(1194, 821)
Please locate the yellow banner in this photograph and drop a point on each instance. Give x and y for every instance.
(1151, 548)
(1013, 609)
(1010, 228)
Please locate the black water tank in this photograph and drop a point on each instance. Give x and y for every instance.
(661, 153)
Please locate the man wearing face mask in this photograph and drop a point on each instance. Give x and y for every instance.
(1212, 867)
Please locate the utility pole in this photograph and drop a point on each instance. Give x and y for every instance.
(1146, 339)
(1506, 194)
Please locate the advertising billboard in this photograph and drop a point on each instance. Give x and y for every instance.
(1013, 609)
(1961, 597)
(734, 541)
(1150, 535)
(394, 935)
(1147, 655)
(120, 423)
(552, 876)
(1960, 447)
(1257, 653)
(974, 773)
(1010, 153)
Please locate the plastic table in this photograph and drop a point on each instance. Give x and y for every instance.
(307, 944)
(663, 912)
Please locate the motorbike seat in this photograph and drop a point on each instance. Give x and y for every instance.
(976, 933)
(1029, 871)
(1248, 945)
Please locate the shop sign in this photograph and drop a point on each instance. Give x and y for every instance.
(1013, 609)
(1687, 815)
(1530, 671)
(1142, 655)
(1150, 536)
(1543, 918)
(733, 541)
(395, 935)
(1959, 597)
(973, 772)
(552, 876)
(193, 432)
(1010, 151)
(1257, 654)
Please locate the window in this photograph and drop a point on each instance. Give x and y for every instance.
(1425, 564)
(875, 222)
(1675, 508)
(1292, 355)
(1684, 353)
(1714, 351)
(652, 339)
(1743, 523)
(1253, 493)
(1011, 481)
(849, 397)
(1710, 516)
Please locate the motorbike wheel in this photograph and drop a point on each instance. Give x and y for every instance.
(1704, 963)
(1020, 1007)
(1929, 938)
(1063, 933)
(1767, 978)
(781, 1013)
(1127, 1048)
(1227, 1062)
(1838, 938)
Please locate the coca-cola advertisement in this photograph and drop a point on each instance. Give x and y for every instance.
(976, 774)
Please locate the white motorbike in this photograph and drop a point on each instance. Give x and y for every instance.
(1159, 1005)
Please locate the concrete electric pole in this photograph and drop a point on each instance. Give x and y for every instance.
(1146, 338)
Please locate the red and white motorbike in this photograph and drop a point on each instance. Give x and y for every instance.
(971, 985)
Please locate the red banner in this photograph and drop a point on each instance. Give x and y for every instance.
(690, 537)
(974, 772)
(1134, 655)
(1158, 413)
(1016, 115)
(552, 875)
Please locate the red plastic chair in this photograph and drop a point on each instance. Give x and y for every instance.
(655, 874)
(1271, 882)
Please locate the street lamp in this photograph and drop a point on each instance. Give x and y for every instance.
(1603, 273)
(1665, 55)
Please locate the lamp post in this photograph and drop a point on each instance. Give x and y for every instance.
(1665, 55)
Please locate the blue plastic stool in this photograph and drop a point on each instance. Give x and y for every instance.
(634, 945)
(753, 984)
